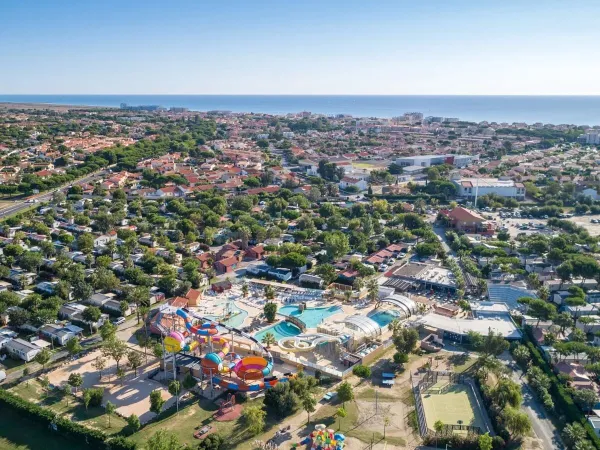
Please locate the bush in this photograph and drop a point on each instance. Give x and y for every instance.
(361, 371)
(281, 400)
(211, 442)
(96, 396)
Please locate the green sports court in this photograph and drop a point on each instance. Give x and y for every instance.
(453, 404)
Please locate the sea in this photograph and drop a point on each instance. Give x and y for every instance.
(577, 110)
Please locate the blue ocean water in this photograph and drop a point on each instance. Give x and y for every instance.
(579, 110)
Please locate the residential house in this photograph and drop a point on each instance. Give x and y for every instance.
(19, 348)
(56, 333)
(468, 221)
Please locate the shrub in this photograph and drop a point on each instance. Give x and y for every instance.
(361, 371)
(96, 396)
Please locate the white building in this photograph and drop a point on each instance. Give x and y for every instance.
(19, 348)
(476, 187)
(590, 138)
(435, 160)
(346, 182)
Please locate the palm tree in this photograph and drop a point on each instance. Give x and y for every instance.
(269, 339)
(245, 290)
(373, 290)
(269, 292)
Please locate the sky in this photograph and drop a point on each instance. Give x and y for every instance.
(317, 47)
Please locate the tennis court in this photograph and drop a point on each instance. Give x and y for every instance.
(452, 404)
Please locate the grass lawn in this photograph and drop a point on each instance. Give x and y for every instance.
(461, 363)
(200, 413)
(17, 433)
(363, 165)
(369, 394)
(72, 408)
(350, 425)
(10, 364)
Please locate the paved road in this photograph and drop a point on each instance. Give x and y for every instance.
(542, 425)
(21, 205)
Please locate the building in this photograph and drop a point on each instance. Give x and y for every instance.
(463, 219)
(487, 316)
(56, 333)
(347, 182)
(19, 348)
(471, 188)
(590, 138)
(435, 160)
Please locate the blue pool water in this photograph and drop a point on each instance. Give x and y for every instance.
(235, 320)
(383, 318)
(279, 330)
(310, 316)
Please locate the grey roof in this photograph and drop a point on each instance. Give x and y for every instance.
(364, 324)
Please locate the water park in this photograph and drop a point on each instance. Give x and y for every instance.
(226, 342)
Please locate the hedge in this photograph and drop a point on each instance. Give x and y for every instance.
(95, 438)
(563, 401)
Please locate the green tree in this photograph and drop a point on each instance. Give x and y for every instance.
(73, 346)
(133, 422)
(75, 379)
(110, 409)
(485, 442)
(340, 413)
(522, 355)
(253, 417)
(345, 393)
(163, 440)
(516, 422)
(309, 403)
(156, 401)
(174, 390)
(99, 364)
(270, 311)
(189, 382)
(507, 392)
(43, 357)
(336, 244)
(135, 360)
(45, 383)
(87, 398)
(269, 339)
(212, 442)
(573, 433)
(114, 348)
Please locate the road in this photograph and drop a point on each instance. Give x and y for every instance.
(21, 205)
(543, 427)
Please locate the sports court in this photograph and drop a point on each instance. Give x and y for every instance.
(453, 404)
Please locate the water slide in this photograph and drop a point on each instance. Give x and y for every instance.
(306, 342)
(253, 369)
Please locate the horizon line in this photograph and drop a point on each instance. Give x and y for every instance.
(319, 95)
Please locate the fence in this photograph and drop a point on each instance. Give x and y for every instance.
(423, 384)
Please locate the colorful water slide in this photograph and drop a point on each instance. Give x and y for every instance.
(206, 329)
(306, 342)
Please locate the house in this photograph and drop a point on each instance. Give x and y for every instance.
(19, 348)
(347, 182)
(256, 252)
(104, 239)
(56, 333)
(194, 296)
(468, 221)
(281, 274)
(227, 265)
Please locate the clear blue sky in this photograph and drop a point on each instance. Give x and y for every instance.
(299, 47)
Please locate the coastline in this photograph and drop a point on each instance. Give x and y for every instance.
(556, 110)
(48, 106)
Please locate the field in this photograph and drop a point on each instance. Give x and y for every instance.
(454, 405)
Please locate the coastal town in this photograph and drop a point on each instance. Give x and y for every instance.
(173, 279)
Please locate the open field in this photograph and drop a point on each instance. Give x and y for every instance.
(454, 406)
(70, 407)
(131, 395)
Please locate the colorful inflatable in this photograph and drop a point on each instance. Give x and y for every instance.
(177, 341)
(322, 439)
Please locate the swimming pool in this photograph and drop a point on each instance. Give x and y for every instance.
(384, 318)
(237, 318)
(312, 317)
(280, 330)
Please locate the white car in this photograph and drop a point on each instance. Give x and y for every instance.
(119, 321)
(383, 267)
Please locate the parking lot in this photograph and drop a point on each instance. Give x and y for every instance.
(518, 225)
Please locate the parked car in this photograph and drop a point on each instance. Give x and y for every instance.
(119, 321)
